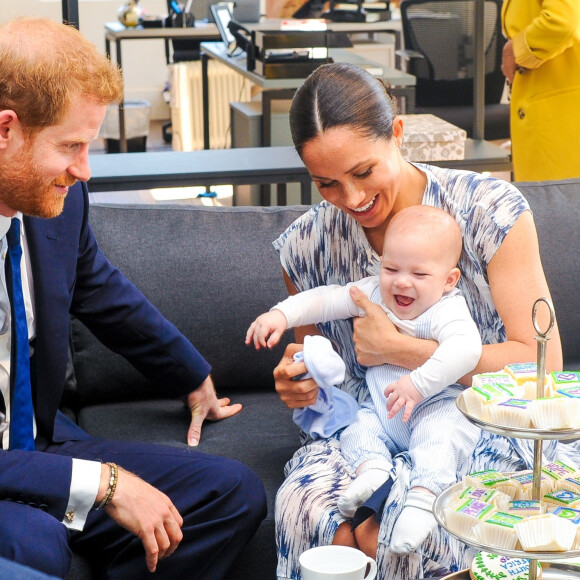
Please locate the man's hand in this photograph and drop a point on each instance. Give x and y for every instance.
(204, 404)
(148, 514)
(371, 332)
(508, 61)
(402, 393)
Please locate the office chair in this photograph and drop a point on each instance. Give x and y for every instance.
(439, 50)
(182, 49)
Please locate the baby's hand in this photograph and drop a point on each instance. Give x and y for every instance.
(402, 393)
(267, 329)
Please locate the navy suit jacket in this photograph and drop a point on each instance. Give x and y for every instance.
(72, 276)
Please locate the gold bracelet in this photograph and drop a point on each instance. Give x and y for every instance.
(112, 486)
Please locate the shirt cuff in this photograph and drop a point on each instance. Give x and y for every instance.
(420, 384)
(84, 486)
(522, 52)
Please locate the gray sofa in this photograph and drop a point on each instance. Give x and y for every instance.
(211, 271)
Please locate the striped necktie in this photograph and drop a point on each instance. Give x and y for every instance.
(21, 414)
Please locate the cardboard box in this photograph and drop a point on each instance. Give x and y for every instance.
(429, 138)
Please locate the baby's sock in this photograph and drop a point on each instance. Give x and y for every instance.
(360, 490)
(415, 523)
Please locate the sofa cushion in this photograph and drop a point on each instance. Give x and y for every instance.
(190, 263)
(209, 270)
(556, 209)
(262, 435)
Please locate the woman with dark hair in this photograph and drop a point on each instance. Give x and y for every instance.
(346, 131)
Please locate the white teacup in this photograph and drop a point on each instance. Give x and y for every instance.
(336, 563)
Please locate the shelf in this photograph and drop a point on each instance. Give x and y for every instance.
(441, 503)
(552, 569)
(518, 432)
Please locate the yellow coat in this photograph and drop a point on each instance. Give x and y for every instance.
(545, 98)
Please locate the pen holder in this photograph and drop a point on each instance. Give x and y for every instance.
(178, 18)
(181, 20)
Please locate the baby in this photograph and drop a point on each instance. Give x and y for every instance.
(417, 289)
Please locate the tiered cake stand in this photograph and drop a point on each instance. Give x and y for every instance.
(551, 568)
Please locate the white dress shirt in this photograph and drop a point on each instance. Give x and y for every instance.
(85, 474)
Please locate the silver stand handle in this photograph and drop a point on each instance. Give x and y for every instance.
(542, 338)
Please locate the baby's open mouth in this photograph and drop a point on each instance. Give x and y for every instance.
(403, 301)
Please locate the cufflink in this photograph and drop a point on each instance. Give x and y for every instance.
(70, 516)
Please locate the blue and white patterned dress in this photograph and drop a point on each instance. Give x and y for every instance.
(327, 246)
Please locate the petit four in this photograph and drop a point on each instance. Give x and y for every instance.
(463, 518)
(571, 483)
(557, 412)
(551, 412)
(546, 533)
(490, 478)
(557, 471)
(564, 380)
(563, 498)
(493, 496)
(511, 412)
(498, 530)
(525, 507)
(572, 515)
(526, 376)
(479, 398)
(526, 481)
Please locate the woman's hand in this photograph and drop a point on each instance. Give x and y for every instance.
(294, 394)
(508, 61)
(377, 340)
(373, 332)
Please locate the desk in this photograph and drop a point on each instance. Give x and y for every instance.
(207, 31)
(253, 165)
(130, 171)
(480, 156)
(393, 26)
(276, 89)
(116, 32)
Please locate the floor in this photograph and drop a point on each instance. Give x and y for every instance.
(155, 140)
(222, 195)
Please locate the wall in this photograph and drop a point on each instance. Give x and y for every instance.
(144, 64)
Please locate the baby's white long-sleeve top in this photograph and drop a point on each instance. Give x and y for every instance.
(448, 320)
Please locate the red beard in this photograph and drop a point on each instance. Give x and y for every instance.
(22, 187)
